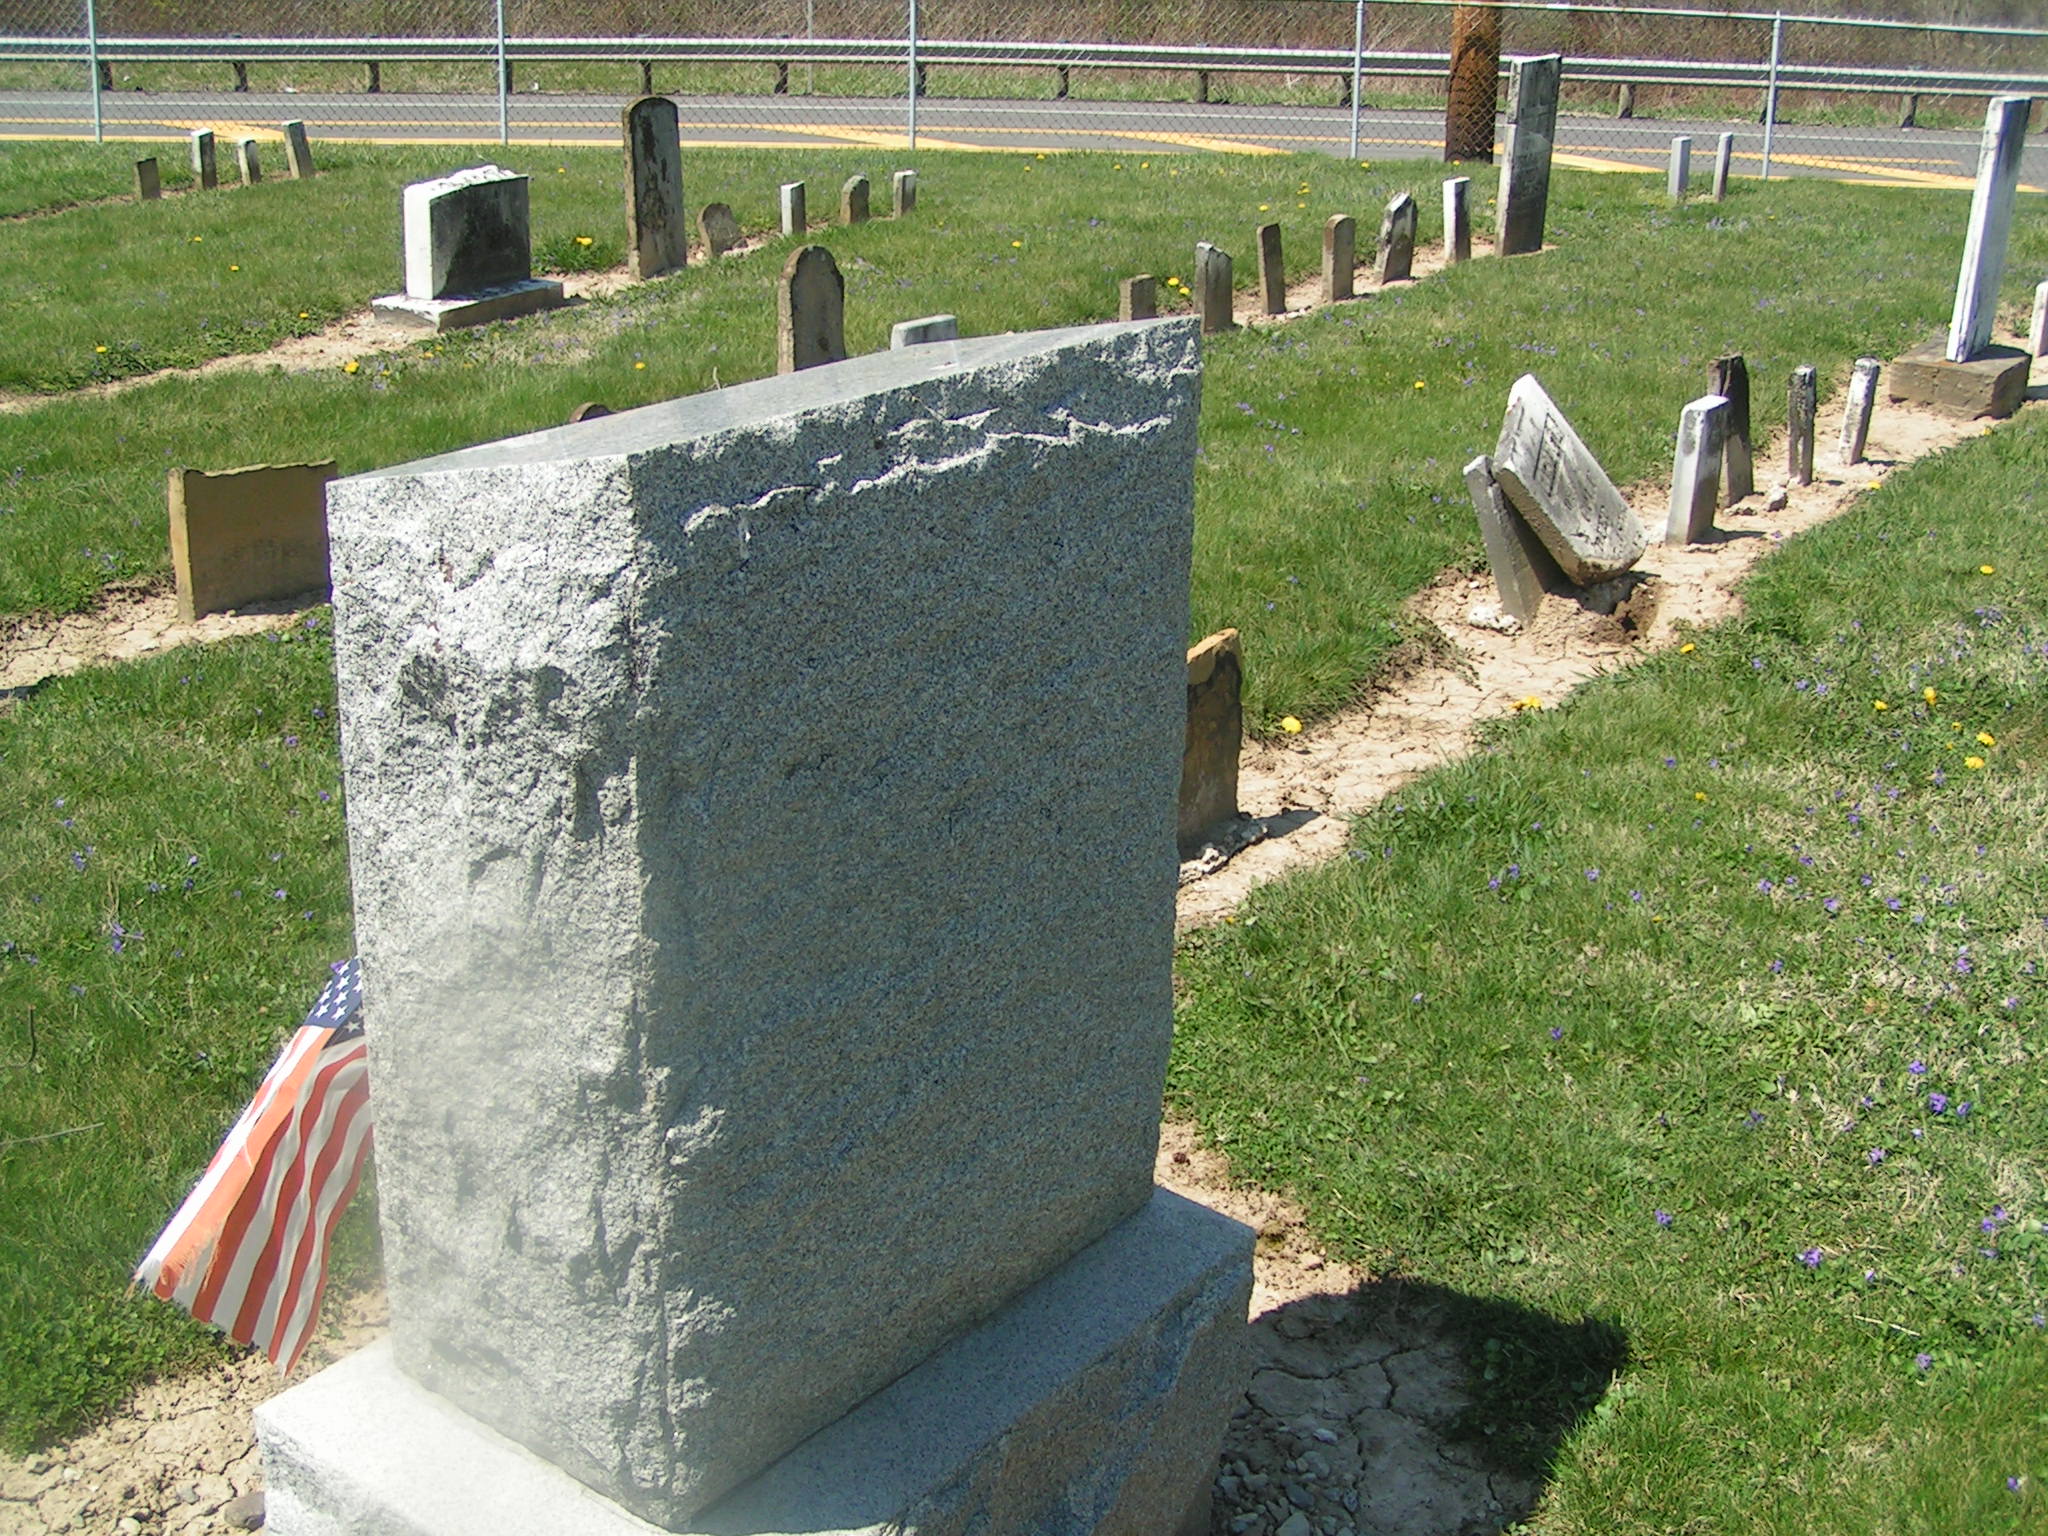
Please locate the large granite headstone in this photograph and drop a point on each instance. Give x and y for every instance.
(1553, 481)
(810, 311)
(1215, 292)
(739, 1132)
(1532, 127)
(1340, 258)
(1397, 241)
(1272, 273)
(468, 253)
(657, 238)
(1696, 470)
(1730, 380)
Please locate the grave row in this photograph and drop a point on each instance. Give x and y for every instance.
(298, 161)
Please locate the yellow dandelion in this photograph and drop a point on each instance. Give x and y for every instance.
(561, 170)
(639, 365)
(234, 269)
(1955, 725)
(1973, 763)
(197, 238)
(1173, 173)
(1301, 205)
(1986, 739)
(1173, 282)
(1879, 705)
(1700, 795)
(1116, 167)
(1144, 165)
(1263, 207)
(1987, 570)
(99, 349)
(1016, 245)
(1041, 157)
(1529, 701)
(1365, 165)
(1687, 649)
(304, 315)
(1290, 725)
(1929, 695)
(1422, 383)
(351, 366)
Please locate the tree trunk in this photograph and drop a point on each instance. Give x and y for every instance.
(1475, 81)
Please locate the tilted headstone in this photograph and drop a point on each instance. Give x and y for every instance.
(1679, 172)
(250, 535)
(1801, 397)
(247, 162)
(1730, 380)
(1856, 411)
(2037, 327)
(1458, 219)
(810, 311)
(1724, 157)
(903, 193)
(918, 333)
(1340, 258)
(1215, 293)
(1696, 470)
(699, 1125)
(1532, 126)
(468, 253)
(205, 159)
(149, 183)
(1554, 481)
(795, 220)
(1991, 205)
(1523, 570)
(657, 238)
(1137, 298)
(1272, 275)
(1397, 241)
(1215, 737)
(298, 151)
(718, 229)
(853, 200)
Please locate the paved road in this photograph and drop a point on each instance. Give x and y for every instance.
(1915, 157)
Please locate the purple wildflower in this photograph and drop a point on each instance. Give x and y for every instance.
(1810, 1257)
(1937, 1103)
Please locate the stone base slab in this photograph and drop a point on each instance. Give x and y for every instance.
(1992, 384)
(1094, 1403)
(438, 315)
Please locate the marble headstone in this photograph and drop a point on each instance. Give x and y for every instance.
(794, 215)
(1696, 470)
(1457, 219)
(1553, 481)
(718, 229)
(1991, 208)
(1397, 241)
(1215, 293)
(1857, 408)
(1272, 274)
(657, 239)
(1801, 397)
(1340, 258)
(1525, 178)
(853, 200)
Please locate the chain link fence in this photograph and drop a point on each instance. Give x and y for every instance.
(1894, 100)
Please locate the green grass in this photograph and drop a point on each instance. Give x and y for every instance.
(46, 176)
(1677, 946)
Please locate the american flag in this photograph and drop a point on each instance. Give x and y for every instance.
(247, 1251)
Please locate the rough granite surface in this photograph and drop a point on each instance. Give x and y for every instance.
(1557, 485)
(762, 818)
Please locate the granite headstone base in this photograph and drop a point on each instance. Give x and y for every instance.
(1093, 1404)
(1993, 383)
(453, 314)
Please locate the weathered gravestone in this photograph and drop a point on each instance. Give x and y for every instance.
(853, 200)
(1554, 482)
(737, 1173)
(902, 193)
(1272, 274)
(1965, 375)
(149, 183)
(1525, 179)
(1457, 219)
(1523, 570)
(794, 217)
(468, 253)
(1730, 380)
(657, 239)
(1215, 293)
(718, 229)
(1215, 735)
(1137, 298)
(1801, 396)
(1724, 159)
(1696, 470)
(1397, 241)
(1856, 410)
(2037, 326)
(810, 311)
(1679, 173)
(248, 164)
(918, 333)
(205, 159)
(298, 151)
(1340, 258)
(242, 536)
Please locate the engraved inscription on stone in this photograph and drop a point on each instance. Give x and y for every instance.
(1554, 481)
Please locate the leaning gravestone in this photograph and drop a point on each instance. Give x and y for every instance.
(1696, 470)
(1730, 380)
(1272, 273)
(718, 1186)
(719, 230)
(657, 239)
(1857, 408)
(1523, 570)
(810, 311)
(853, 201)
(1215, 737)
(468, 255)
(1801, 396)
(298, 151)
(1340, 258)
(1525, 179)
(1137, 298)
(919, 333)
(1215, 293)
(149, 184)
(1397, 241)
(1553, 481)
(205, 159)
(248, 164)
(902, 194)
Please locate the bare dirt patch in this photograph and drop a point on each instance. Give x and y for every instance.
(127, 622)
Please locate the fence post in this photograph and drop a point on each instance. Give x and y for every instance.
(1357, 72)
(912, 124)
(1771, 91)
(504, 105)
(92, 67)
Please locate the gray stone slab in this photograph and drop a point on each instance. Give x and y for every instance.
(466, 233)
(1801, 396)
(810, 311)
(1724, 161)
(1340, 258)
(1397, 241)
(2037, 326)
(1093, 1404)
(1730, 380)
(1991, 206)
(508, 302)
(248, 162)
(688, 805)
(853, 200)
(1857, 408)
(205, 159)
(1457, 219)
(1523, 569)
(657, 236)
(1532, 128)
(1696, 470)
(1993, 383)
(298, 151)
(1678, 174)
(149, 183)
(795, 218)
(919, 333)
(1137, 298)
(1215, 292)
(1272, 273)
(718, 229)
(903, 193)
(1555, 483)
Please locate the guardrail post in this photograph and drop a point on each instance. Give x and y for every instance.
(1357, 72)
(915, 82)
(504, 81)
(92, 69)
(1771, 91)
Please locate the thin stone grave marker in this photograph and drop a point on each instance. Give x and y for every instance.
(1856, 411)
(657, 238)
(1215, 738)
(1730, 380)
(1397, 241)
(205, 159)
(1696, 470)
(919, 333)
(298, 151)
(1340, 257)
(1523, 570)
(250, 535)
(2037, 328)
(718, 229)
(1679, 174)
(1272, 275)
(1801, 403)
(1137, 298)
(1991, 207)
(794, 220)
(902, 193)
(149, 184)
(1553, 480)
(853, 200)
(810, 311)
(1532, 127)
(1215, 293)
(1457, 219)
(1724, 156)
(247, 162)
